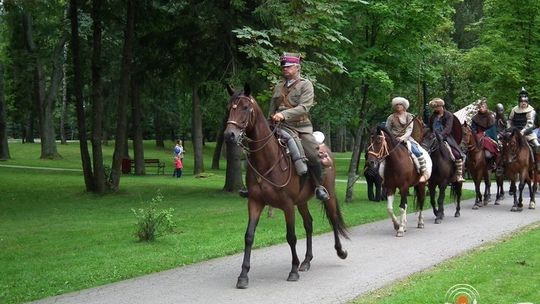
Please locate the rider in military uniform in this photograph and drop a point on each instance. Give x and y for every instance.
(291, 101)
(522, 117)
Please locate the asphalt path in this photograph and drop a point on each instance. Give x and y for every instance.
(376, 258)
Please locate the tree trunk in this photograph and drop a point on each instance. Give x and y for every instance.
(351, 177)
(63, 113)
(79, 102)
(197, 134)
(46, 101)
(158, 127)
(121, 115)
(4, 148)
(136, 121)
(219, 145)
(233, 177)
(97, 98)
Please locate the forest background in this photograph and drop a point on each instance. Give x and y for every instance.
(104, 72)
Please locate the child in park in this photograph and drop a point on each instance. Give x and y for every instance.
(178, 166)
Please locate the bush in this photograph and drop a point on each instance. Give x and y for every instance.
(152, 222)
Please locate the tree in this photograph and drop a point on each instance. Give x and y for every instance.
(45, 98)
(4, 148)
(120, 146)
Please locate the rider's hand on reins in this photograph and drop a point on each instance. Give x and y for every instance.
(278, 117)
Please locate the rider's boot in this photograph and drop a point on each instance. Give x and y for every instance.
(320, 191)
(422, 168)
(459, 170)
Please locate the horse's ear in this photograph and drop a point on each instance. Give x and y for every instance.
(247, 89)
(230, 90)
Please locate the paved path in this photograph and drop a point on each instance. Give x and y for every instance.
(375, 259)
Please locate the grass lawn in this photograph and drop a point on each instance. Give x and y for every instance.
(499, 271)
(55, 238)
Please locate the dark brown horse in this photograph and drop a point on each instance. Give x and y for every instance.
(272, 180)
(398, 172)
(477, 166)
(518, 165)
(443, 174)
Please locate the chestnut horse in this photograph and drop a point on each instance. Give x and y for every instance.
(443, 174)
(478, 168)
(518, 164)
(398, 172)
(272, 180)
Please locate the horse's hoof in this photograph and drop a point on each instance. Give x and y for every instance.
(532, 205)
(475, 207)
(242, 283)
(342, 254)
(497, 203)
(305, 266)
(457, 214)
(513, 209)
(293, 277)
(519, 209)
(400, 233)
(421, 225)
(438, 221)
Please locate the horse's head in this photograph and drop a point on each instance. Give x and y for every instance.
(377, 149)
(468, 137)
(512, 143)
(241, 114)
(431, 141)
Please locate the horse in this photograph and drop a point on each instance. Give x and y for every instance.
(443, 174)
(375, 190)
(478, 168)
(272, 180)
(398, 172)
(518, 164)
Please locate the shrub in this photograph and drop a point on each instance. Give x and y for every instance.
(152, 222)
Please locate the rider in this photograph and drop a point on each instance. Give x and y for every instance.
(522, 117)
(500, 119)
(400, 123)
(484, 128)
(441, 122)
(291, 101)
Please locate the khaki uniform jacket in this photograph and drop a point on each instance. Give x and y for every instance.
(294, 102)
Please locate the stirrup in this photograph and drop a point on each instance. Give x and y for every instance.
(243, 193)
(321, 193)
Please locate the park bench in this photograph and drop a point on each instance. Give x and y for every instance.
(150, 162)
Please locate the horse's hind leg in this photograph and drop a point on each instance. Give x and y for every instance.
(308, 226)
(255, 209)
(291, 239)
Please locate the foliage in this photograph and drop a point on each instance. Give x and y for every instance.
(152, 222)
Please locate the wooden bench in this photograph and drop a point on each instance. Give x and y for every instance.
(150, 162)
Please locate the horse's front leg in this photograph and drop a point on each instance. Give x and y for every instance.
(532, 203)
(432, 191)
(457, 189)
(255, 209)
(500, 190)
(487, 190)
(308, 226)
(420, 198)
(478, 200)
(440, 204)
(291, 239)
(402, 213)
(390, 208)
(515, 195)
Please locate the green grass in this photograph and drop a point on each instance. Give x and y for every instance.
(499, 271)
(55, 238)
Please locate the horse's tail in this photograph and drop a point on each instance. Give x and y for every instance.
(334, 216)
